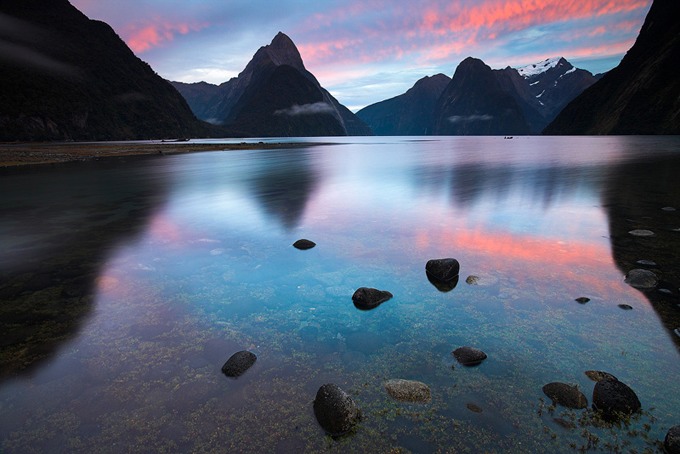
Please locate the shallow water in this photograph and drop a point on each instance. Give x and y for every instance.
(127, 283)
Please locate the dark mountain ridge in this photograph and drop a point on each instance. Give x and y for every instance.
(274, 95)
(66, 77)
(642, 94)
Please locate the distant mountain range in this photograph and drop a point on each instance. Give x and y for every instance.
(481, 101)
(66, 77)
(642, 94)
(274, 95)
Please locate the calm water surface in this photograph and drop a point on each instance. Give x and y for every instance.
(126, 285)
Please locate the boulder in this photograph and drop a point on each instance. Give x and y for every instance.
(443, 273)
(672, 440)
(566, 395)
(304, 244)
(469, 356)
(366, 298)
(642, 279)
(614, 399)
(335, 410)
(408, 390)
(238, 363)
(598, 375)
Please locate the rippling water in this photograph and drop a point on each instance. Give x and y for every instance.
(126, 285)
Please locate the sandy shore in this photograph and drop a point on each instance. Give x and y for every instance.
(17, 154)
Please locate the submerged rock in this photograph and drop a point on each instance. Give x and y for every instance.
(469, 356)
(641, 279)
(443, 273)
(566, 395)
(473, 407)
(408, 390)
(238, 363)
(335, 410)
(366, 298)
(672, 440)
(614, 399)
(472, 280)
(582, 300)
(304, 244)
(598, 375)
(626, 307)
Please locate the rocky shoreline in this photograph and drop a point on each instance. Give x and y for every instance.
(20, 154)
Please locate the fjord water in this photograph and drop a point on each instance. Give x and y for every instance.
(126, 285)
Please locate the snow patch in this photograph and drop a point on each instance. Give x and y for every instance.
(538, 68)
(541, 94)
(534, 83)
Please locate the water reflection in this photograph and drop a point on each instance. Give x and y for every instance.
(644, 193)
(58, 229)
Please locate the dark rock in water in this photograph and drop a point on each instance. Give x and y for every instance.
(238, 363)
(582, 300)
(335, 410)
(474, 408)
(614, 399)
(408, 390)
(641, 279)
(566, 395)
(672, 440)
(626, 307)
(469, 356)
(598, 375)
(472, 280)
(443, 270)
(647, 263)
(304, 244)
(668, 209)
(564, 423)
(366, 298)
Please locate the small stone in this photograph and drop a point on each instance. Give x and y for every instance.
(598, 375)
(443, 273)
(408, 390)
(335, 410)
(582, 300)
(647, 263)
(304, 244)
(672, 440)
(469, 356)
(474, 408)
(642, 279)
(641, 232)
(238, 363)
(668, 209)
(566, 395)
(472, 280)
(614, 399)
(626, 307)
(366, 298)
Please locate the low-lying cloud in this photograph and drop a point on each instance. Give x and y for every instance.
(306, 109)
(469, 118)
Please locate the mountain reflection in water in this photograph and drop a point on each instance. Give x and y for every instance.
(126, 284)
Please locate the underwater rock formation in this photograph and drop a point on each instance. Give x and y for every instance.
(566, 395)
(598, 375)
(335, 410)
(469, 356)
(238, 363)
(408, 390)
(641, 279)
(672, 440)
(366, 298)
(614, 399)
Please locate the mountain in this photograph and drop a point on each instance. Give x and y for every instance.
(66, 77)
(642, 94)
(274, 95)
(475, 103)
(409, 114)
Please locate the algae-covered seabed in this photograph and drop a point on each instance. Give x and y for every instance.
(209, 270)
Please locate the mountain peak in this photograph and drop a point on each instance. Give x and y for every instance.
(536, 69)
(282, 51)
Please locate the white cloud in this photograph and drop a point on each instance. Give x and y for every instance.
(469, 118)
(306, 109)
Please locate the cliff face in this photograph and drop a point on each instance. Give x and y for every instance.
(642, 94)
(66, 77)
(274, 95)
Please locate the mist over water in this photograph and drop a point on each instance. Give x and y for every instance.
(126, 285)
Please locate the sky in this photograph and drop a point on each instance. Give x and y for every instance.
(365, 51)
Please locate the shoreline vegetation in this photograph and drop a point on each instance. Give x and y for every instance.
(26, 153)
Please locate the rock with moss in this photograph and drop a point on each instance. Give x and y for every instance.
(566, 395)
(408, 390)
(335, 410)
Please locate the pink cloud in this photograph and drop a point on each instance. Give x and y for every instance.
(142, 39)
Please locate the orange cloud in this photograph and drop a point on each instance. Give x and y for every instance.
(154, 35)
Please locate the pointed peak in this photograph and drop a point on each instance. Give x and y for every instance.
(282, 51)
